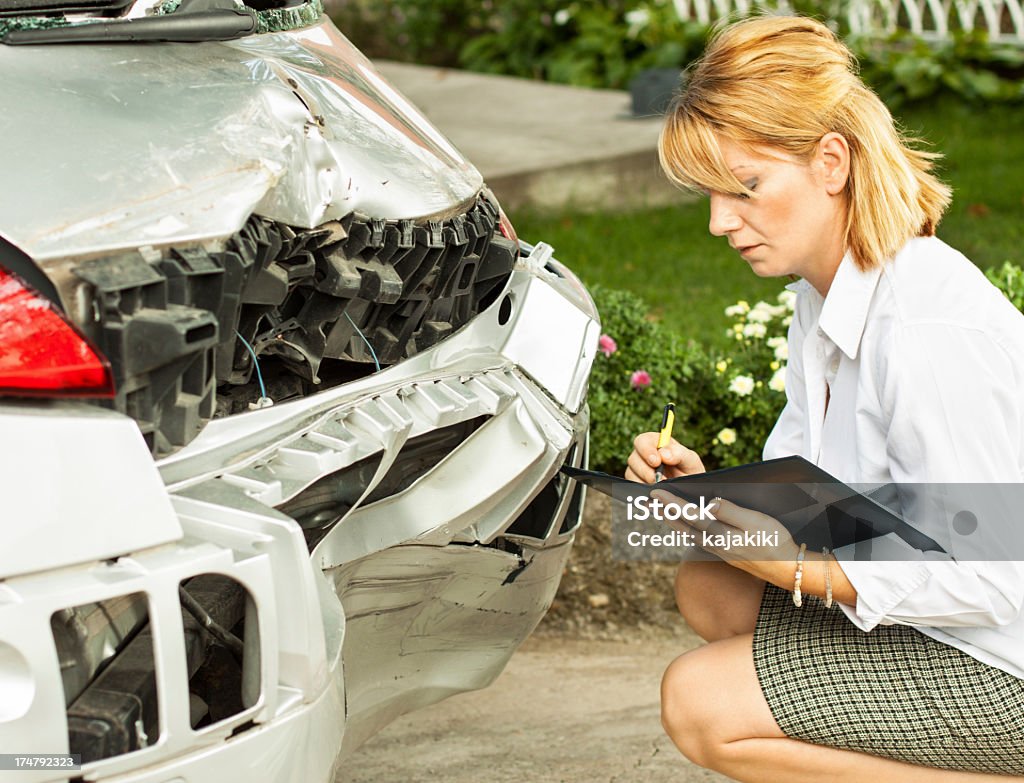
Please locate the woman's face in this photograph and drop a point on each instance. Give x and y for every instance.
(794, 223)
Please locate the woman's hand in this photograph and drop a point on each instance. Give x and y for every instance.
(675, 458)
(770, 553)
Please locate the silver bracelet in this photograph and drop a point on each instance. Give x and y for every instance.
(828, 578)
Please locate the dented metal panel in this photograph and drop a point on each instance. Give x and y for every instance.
(427, 622)
(143, 144)
(462, 489)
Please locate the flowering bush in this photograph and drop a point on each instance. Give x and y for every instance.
(640, 365)
(725, 404)
(748, 387)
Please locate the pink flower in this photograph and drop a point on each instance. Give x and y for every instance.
(641, 379)
(606, 345)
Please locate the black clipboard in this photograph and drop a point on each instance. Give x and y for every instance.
(817, 508)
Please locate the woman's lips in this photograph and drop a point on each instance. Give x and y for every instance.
(743, 251)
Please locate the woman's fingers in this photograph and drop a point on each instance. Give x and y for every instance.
(675, 459)
(737, 516)
(637, 469)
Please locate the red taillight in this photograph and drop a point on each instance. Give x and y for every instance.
(41, 354)
(505, 227)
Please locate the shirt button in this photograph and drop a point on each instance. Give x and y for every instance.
(834, 365)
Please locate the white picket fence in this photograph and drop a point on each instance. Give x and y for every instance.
(929, 19)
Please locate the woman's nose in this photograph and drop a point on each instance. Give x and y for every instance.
(723, 216)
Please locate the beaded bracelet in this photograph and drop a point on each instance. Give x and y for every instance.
(798, 598)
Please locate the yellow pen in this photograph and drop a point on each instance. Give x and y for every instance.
(668, 418)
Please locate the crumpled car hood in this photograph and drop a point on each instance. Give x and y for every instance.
(110, 147)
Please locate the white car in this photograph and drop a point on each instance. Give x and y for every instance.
(283, 400)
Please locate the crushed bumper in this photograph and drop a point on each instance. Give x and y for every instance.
(434, 563)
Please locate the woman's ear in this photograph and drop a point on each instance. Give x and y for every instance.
(834, 159)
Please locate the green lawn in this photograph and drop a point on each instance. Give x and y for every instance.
(688, 277)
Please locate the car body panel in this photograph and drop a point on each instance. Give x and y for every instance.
(91, 448)
(296, 126)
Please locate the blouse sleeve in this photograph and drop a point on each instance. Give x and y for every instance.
(949, 396)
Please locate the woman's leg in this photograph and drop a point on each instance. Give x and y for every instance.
(716, 599)
(713, 709)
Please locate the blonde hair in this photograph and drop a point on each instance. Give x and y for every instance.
(784, 82)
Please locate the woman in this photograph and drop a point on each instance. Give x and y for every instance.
(905, 366)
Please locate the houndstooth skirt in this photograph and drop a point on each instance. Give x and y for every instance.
(893, 692)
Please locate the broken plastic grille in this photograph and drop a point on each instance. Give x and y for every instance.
(298, 296)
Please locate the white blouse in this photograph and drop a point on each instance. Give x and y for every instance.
(924, 363)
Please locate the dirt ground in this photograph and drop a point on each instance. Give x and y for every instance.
(600, 598)
(579, 701)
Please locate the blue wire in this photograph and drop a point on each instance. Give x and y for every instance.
(255, 361)
(372, 352)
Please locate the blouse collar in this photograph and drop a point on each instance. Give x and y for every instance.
(844, 312)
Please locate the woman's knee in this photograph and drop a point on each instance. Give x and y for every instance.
(717, 600)
(689, 578)
(682, 714)
(711, 697)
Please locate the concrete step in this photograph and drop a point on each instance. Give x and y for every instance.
(548, 146)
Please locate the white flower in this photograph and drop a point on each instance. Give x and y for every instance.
(775, 342)
(721, 366)
(638, 18)
(782, 352)
(778, 381)
(755, 330)
(727, 437)
(762, 313)
(742, 385)
(562, 16)
(788, 300)
(740, 308)
(787, 320)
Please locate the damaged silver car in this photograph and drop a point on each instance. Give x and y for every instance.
(283, 400)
